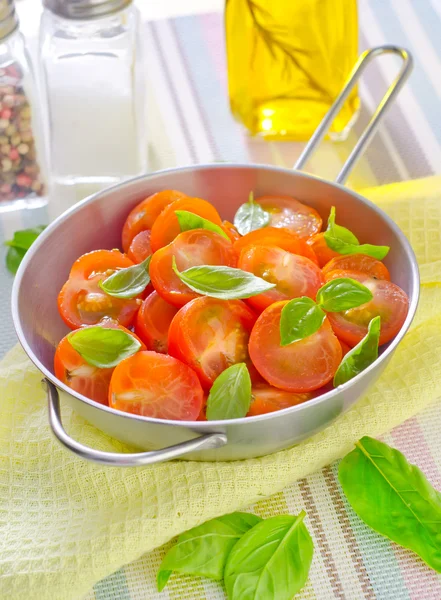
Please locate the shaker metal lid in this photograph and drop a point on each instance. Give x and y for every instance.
(8, 18)
(84, 9)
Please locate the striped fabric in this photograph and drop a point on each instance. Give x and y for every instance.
(190, 123)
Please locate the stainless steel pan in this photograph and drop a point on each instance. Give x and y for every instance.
(96, 223)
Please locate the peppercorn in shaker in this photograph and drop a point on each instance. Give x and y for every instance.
(21, 143)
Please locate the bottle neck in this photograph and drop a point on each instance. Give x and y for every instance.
(85, 9)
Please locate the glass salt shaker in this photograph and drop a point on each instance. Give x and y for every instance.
(22, 155)
(91, 57)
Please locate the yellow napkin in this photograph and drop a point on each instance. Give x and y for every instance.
(66, 523)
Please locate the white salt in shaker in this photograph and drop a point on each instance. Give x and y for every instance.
(94, 85)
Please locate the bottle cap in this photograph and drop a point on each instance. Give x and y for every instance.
(8, 18)
(84, 9)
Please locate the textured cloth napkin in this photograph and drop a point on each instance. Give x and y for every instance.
(66, 523)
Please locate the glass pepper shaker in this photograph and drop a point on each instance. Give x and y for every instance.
(22, 155)
(92, 66)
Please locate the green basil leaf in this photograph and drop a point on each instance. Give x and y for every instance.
(128, 282)
(300, 318)
(221, 282)
(272, 560)
(394, 498)
(230, 396)
(342, 294)
(250, 216)
(102, 347)
(188, 220)
(361, 356)
(14, 257)
(337, 231)
(24, 238)
(203, 550)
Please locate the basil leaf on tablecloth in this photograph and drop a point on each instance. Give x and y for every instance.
(272, 560)
(361, 356)
(394, 498)
(128, 282)
(230, 396)
(203, 550)
(300, 318)
(18, 246)
(188, 220)
(225, 283)
(342, 294)
(250, 216)
(101, 347)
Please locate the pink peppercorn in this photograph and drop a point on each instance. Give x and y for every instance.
(14, 154)
(6, 113)
(24, 180)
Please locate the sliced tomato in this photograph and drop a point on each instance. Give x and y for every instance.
(145, 213)
(140, 247)
(190, 249)
(302, 366)
(153, 321)
(358, 262)
(344, 348)
(166, 226)
(293, 275)
(211, 335)
(82, 302)
(231, 231)
(323, 252)
(75, 372)
(272, 236)
(390, 302)
(155, 385)
(288, 212)
(266, 399)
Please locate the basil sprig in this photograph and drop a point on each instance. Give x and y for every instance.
(394, 498)
(343, 241)
(128, 282)
(250, 216)
(361, 356)
(103, 347)
(225, 283)
(203, 550)
(19, 245)
(342, 294)
(188, 220)
(230, 396)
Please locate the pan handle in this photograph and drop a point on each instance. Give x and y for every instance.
(371, 128)
(115, 459)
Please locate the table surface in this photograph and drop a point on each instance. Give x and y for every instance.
(187, 54)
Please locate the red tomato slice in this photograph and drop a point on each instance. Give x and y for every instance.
(293, 275)
(153, 321)
(288, 212)
(323, 252)
(300, 367)
(155, 385)
(344, 348)
(272, 236)
(211, 335)
(358, 262)
(231, 231)
(82, 302)
(390, 302)
(267, 398)
(166, 226)
(75, 372)
(190, 249)
(140, 247)
(145, 213)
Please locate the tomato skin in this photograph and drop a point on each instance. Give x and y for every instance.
(318, 245)
(190, 249)
(358, 262)
(267, 398)
(156, 385)
(145, 213)
(140, 247)
(231, 231)
(344, 348)
(390, 302)
(303, 366)
(153, 322)
(291, 214)
(293, 275)
(75, 372)
(166, 227)
(82, 302)
(273, 236)
(210, 335)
